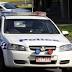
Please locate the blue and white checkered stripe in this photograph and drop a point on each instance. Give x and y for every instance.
(3, 45)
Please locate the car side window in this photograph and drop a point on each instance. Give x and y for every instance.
(1, 8)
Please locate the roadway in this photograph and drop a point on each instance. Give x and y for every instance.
(32, 70)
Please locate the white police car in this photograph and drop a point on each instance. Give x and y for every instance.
(33, 41)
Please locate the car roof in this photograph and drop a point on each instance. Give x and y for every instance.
(25, 15)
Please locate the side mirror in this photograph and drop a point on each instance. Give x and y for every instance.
(65, 33)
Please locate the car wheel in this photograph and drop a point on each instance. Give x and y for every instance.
(2, 67)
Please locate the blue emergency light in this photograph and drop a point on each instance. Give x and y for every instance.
(37, 51)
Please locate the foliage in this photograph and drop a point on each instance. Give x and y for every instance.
(66, 27)
(20, 3)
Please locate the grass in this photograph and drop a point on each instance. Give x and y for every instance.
(25, 6)
(66, 27)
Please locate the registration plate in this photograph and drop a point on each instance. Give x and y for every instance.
(43, 59)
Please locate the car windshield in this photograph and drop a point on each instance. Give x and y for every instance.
(9, 6)
(29, 26)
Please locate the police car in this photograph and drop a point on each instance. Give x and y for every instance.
(11, 7)
(33, 40)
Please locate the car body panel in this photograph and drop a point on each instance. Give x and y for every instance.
(32, 42)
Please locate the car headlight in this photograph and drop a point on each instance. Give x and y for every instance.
(66, 47)
(17, 47)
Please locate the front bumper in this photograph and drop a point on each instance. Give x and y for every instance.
(27, 59)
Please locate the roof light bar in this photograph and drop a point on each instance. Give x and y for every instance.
(37, 13)
(40, 13)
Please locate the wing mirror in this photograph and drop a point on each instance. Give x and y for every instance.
(65, 33)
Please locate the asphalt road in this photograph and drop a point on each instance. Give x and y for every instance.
(32, 70)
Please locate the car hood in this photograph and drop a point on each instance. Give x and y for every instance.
(37, 39)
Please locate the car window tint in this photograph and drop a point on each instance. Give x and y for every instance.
(1, 8)
(10, 6)
(32, 26)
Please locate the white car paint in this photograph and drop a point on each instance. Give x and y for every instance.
(27, 40)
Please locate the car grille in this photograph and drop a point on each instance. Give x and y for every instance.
(33, 48)
(34, 62)
(46, 54)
